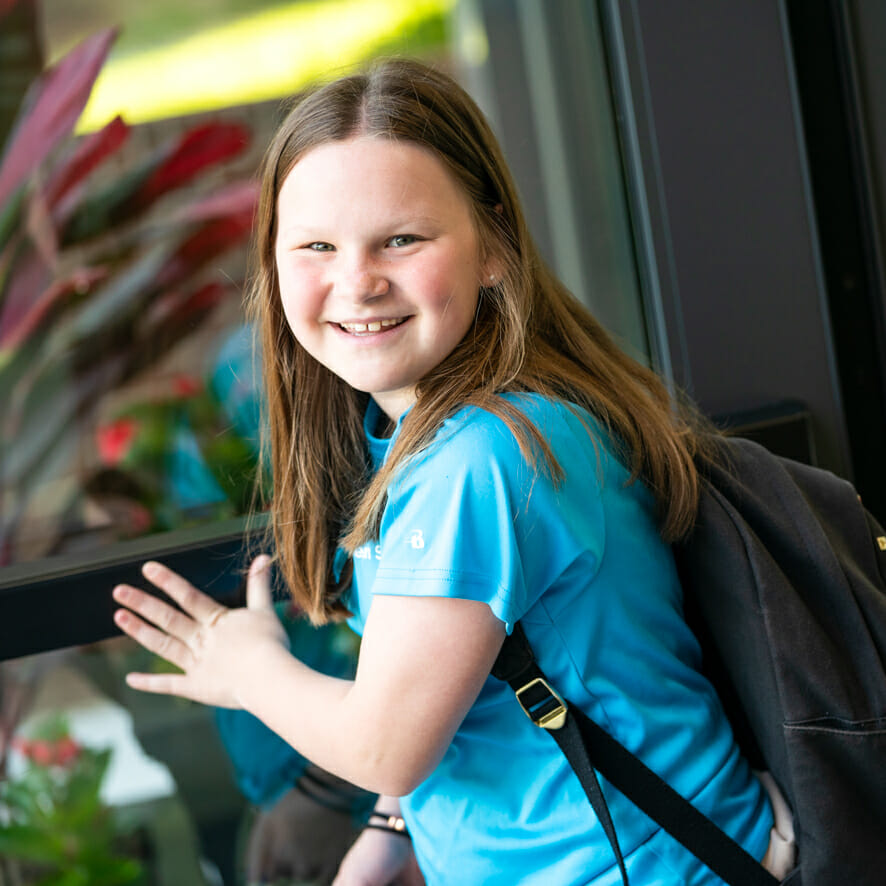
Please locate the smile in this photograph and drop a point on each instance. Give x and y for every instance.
(374, 326)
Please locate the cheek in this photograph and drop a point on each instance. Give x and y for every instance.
(300, 295)
(452, 284)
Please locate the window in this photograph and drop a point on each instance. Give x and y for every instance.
(129, 412)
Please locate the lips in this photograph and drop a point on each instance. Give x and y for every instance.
(371, 326)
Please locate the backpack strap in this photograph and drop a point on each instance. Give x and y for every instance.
(590, 749)
(516, 666)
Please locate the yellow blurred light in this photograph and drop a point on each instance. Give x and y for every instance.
(263, 56)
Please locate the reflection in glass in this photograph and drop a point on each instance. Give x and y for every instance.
(150, 789)
(94, 785)
(176, 58)
(128, 402)
(111, 275)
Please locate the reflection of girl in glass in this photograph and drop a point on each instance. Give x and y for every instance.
(457, 445)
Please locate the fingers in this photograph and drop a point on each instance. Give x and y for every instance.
(160, 643)
(258, 584)
(162, 684)
(158, 613)
(198, 605)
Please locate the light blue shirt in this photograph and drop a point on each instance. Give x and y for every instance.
(583, 567)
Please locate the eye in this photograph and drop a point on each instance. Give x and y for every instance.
(400, 240)
(319, 246)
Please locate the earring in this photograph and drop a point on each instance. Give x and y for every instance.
(491, 278)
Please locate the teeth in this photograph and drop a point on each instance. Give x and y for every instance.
(375, 326)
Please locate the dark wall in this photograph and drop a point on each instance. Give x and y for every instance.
(725, 211)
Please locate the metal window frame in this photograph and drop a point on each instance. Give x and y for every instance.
(722, 114)
(66, 601)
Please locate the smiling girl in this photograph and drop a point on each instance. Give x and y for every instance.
(456, 445)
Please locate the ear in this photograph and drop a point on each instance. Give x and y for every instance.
(492, 267)
(491, 271)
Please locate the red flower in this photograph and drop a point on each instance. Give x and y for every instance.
(186, 386)
(114, 440)
(41, 753)
(66, 750)
(61, 752)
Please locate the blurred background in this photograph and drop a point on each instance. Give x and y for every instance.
(709, 179)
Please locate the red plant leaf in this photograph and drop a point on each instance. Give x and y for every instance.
(203, 299)
(235, 199)
(176, 305)
(198, 148)
(6, 6)
(13, 335)
(205, 243)
(41, 229)
(54, 105)
(31, 275)
(90, 152)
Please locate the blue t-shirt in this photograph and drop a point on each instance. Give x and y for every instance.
(583, 566)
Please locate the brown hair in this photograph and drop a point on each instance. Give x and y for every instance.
(529, 334)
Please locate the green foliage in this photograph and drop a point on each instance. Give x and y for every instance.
(179, 457)
(53, 821)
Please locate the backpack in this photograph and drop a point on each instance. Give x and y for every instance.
(783, 578)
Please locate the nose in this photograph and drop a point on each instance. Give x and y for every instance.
(359, 278)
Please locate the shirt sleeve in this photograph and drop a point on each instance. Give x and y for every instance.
(471, 519)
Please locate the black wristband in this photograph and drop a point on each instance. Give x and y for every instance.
(393, 824)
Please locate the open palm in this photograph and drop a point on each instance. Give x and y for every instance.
(210, 643)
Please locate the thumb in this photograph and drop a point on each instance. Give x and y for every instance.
(258, 584)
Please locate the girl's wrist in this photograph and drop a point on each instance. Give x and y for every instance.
(257, 661)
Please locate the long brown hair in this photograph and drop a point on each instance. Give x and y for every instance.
(529, 334)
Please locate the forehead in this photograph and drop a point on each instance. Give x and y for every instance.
(372, 169)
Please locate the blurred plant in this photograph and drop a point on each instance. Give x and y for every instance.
(52, 819)
(96, 284)
(173, 460)
(21, 53)
(18, 683)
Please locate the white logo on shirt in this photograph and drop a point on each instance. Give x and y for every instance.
(416, 539)
(366, 552)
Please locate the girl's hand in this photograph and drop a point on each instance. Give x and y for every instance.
(378, 858)
(210, 643)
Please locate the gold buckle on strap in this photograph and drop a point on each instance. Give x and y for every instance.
(541, 704)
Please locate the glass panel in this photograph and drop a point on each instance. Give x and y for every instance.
(173, 58)
(128, 401)
(122, 787)
(544, 82)
(129, 404)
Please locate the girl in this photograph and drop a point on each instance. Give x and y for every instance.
(456, 445)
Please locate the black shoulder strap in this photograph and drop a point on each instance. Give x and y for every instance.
(590, 749)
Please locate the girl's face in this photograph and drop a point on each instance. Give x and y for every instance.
(379, 263)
